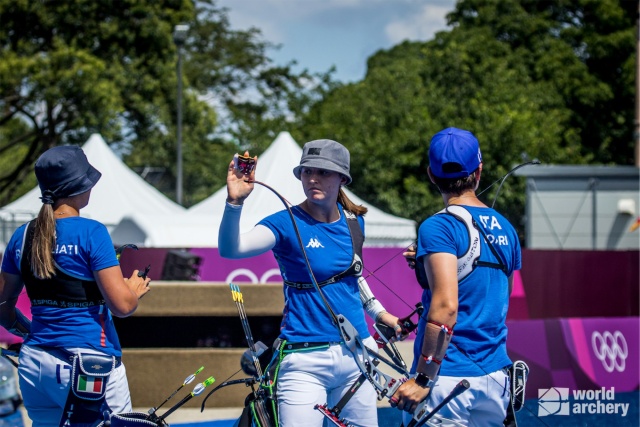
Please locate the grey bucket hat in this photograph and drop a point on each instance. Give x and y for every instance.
(325, 154)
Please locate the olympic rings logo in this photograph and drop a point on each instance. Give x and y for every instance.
(253, 278)
(610, 349)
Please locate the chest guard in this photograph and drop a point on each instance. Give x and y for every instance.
(355, 269)
(62, 290)
(469, 260)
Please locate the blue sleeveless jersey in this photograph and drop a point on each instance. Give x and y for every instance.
(329, 249)
(82, 247)
(478, 345)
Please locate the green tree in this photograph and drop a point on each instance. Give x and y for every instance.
(473, 77)
(460, 79)
(585, 49)
(69, 69)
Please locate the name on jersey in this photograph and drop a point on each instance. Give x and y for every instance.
(59, 249)
(491, 223)
(64, 304)
(66, 249)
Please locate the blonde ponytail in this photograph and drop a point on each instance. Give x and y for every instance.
(44, 238)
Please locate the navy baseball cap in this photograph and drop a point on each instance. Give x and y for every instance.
(454, 153)
(64, 171)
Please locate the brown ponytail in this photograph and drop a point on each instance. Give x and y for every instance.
(44, 238)
(349, 205)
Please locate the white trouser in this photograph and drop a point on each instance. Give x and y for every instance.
(44, 384)
(308, 378)
(484, 404)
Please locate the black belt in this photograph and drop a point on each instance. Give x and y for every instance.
(300, 346)
(355, 269)
(67, 356)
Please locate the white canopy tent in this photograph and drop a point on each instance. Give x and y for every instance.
(119, 193)
(199, 226)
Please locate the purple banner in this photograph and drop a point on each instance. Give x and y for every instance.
(24, 305)
(578, 353)
(391, 280)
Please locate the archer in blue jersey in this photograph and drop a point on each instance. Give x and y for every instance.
(316, 367)
(465, 259)
(74, 283)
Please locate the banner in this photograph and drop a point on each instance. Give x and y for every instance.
(578, 353)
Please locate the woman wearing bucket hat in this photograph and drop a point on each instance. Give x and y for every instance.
(74, 282)
(316, 368)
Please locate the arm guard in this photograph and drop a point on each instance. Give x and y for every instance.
(21, 326)
(371, 305)
(434, 347)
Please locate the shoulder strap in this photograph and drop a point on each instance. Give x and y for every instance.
(357, 237)
(355, 269)
(471, 258)
(27, 244)
(468, 261)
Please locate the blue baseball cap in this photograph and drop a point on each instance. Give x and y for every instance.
(454, 153)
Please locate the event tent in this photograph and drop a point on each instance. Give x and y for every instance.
(119, 193)
(199, 226)
(135, 212)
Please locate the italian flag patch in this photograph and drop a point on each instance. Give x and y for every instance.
(89, 384)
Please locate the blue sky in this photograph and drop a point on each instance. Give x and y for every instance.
(321, 33)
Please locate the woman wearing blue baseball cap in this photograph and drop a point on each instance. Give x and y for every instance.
(316, 368)
(465, 260)
(70, 363)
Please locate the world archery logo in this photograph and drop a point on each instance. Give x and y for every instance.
(553, 401)
(314, 243)
(557, 401)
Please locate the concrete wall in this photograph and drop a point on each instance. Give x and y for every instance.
(155, 373)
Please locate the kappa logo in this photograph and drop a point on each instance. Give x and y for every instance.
(349, 215)
(610, 349)
(314, 243)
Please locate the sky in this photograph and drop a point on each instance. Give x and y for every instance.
(319, 34)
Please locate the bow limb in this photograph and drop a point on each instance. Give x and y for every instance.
(246, 381)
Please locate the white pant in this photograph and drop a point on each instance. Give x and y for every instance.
(307, 378)
(44, 384)
(484, 404)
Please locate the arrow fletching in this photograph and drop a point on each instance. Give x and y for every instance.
(192, 377)
(199, 388)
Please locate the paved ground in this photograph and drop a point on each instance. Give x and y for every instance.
(188, 415)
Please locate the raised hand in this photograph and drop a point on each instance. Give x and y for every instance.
(239, 185)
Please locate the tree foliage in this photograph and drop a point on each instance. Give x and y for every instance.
(528, 78)
(585, 49)
(69, 69)
(532, 79)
